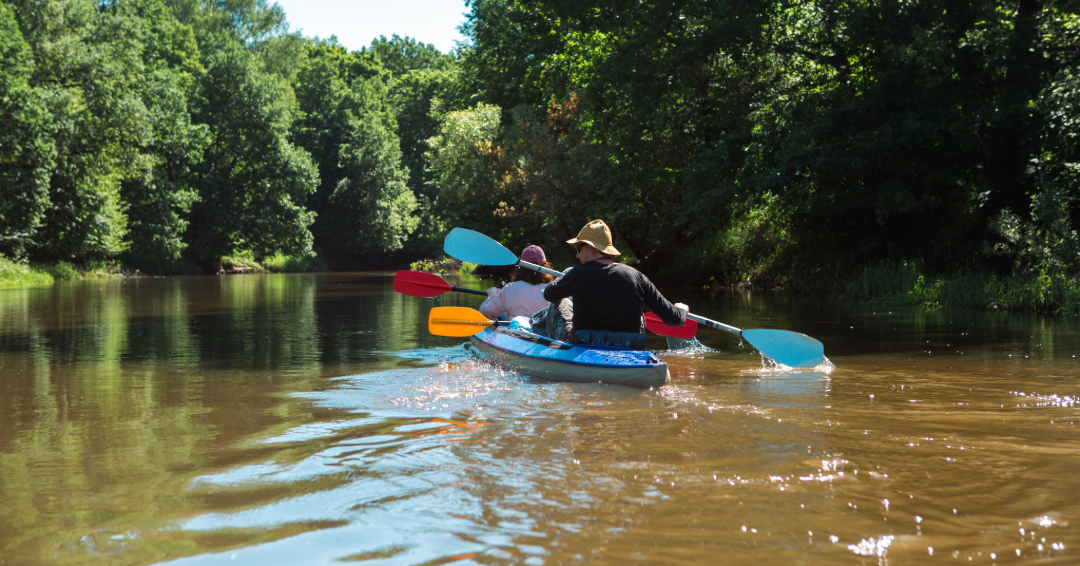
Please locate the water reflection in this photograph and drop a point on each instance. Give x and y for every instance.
(312, 419)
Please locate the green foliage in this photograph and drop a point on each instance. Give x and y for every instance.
(241, 261)
(253, 181)
(167, 131)
(1046, 242)
(363, 203)
(281, 263)
(26, 150)
(752, 250)
(461, 165)
(62, 271)
(374, 205)
(16, 274)
(244, 261)
(442, 265)
(881, 130)
(22, 274)
(159, 195)
(247, 21)
(401, 55)
(906, 284)
(413, 96)
(90, 73)
(781, 144)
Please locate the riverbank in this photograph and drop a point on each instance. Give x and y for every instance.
(885, 283)
(906, 283)
(20, 274)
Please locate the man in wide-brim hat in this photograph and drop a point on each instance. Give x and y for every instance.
(606, 295)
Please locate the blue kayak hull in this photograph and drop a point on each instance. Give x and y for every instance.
(550, 359)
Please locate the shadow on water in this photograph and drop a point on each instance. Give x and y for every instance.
(312, 419)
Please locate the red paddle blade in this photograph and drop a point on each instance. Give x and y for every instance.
(420, 284)
(687, 330)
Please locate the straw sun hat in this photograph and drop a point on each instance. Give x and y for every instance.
(596, 234)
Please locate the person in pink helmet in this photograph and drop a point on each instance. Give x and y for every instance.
(524, 295)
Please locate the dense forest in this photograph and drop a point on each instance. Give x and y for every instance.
(863, 148)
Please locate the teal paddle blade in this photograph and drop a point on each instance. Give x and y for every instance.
(789, 348)
(475, 247)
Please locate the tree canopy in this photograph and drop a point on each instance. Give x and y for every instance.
(763, 140)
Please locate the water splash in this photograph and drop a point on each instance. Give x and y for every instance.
(770, 366)
(686, 346)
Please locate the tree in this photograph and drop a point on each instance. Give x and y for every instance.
(373, 204)
(400, 55)
(26, 149)
(895, 126)
(463, 167)
(363, 202)
(159, 195)
(90, 74)
(253, 181)
(248, 22)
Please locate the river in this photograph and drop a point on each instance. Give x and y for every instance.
(312, 419)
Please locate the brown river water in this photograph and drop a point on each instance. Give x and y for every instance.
(312, 419)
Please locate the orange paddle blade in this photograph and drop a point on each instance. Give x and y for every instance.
(456, 321)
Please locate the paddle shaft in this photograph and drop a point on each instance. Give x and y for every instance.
(714, 324)
(540, 268)
(469, 322)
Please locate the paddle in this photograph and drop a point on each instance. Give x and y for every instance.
(789, 348)
(426, 285)
(653, 323)
(458, 321)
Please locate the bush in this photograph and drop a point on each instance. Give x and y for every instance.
(445, 264)
(15, 274)
(904, 283)
(280, 263)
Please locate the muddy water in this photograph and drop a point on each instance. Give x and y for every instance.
(311, 419)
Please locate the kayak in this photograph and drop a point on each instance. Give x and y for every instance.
(540, 356)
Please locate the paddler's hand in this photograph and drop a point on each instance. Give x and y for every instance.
(682, 306)
(492, 291)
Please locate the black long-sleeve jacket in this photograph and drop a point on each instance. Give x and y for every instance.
(610, 296)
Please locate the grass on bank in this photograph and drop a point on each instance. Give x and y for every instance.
(905, 283)
(20, 274)
(245, 262)
(443, 265)
(15, 274)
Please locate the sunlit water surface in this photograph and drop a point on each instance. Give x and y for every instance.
(311, 419)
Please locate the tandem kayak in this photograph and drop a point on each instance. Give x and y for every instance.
(540, 356)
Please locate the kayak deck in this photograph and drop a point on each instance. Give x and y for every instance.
(551, 359)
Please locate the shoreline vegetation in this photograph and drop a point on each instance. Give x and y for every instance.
(907, 284)
(24, 274)
(883, 283)
(753, 145)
